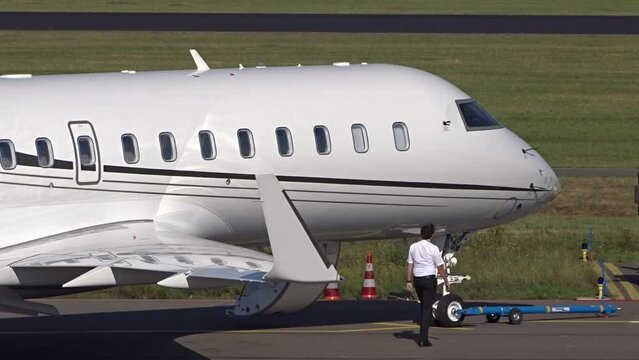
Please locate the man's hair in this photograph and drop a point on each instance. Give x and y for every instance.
(428, 231)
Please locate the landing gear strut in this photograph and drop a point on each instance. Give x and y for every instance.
(445, 307)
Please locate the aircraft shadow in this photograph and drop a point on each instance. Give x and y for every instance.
(630, 277)
(152, 333)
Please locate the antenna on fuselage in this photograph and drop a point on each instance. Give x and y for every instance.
(202, 67)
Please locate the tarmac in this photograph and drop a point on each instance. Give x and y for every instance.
(346, 23)
(199, 329)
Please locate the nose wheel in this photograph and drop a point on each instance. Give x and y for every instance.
(446, 311)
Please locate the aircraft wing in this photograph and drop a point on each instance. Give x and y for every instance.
(130, 253)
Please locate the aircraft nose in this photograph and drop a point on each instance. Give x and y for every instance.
(552, 184)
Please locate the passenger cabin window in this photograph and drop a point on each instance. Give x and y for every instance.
(284, 141)
(322, 140)
(400, 132)
(7, 155)
(44, 151)
(207, 145)
(245, 140)
(86, 150)
(475, 117)
(167, 147)
(130, 149)
(360, 138)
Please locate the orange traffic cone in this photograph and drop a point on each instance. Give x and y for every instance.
(369, 291)
(331, 292)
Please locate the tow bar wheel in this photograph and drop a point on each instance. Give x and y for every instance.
(515, 316)
(493, 318)
(447, 310)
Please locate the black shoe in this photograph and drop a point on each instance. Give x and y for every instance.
(425, 344)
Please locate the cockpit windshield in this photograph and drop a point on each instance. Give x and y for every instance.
(475, 117)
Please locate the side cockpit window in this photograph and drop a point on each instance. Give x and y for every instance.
(7, 155)
(475, 117)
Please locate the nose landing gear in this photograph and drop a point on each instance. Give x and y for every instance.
(446, 306)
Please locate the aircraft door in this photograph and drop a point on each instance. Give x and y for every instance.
(88, 166)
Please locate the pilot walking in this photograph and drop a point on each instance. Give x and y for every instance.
(424, 261)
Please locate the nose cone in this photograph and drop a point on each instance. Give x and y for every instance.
(551, 184)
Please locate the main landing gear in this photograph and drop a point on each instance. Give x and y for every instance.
(446, 305)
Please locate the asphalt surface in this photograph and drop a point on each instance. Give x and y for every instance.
(493, 24)
(167, 329)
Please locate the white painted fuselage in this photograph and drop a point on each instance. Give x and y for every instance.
(458, 178)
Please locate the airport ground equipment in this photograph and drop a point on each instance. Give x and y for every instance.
(515, 314)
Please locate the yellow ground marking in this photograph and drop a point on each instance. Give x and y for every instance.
(612, 287)
(384, 327)
(632, 292)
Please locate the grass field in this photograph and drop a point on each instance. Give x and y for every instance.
(533, 7)
(569, 96)
(535, 257)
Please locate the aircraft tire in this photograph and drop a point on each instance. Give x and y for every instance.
(445, 313)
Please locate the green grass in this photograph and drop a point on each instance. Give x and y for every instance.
(533, 7)
(534, 258)
(569, 96)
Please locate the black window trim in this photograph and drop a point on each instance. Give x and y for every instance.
(477, 128)
(50, 148)
(328, 139)
(252, 143)
(213, 145)
(137, 148)
(289, 137)
(173, 144)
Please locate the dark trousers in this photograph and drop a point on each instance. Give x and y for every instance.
(426, 288)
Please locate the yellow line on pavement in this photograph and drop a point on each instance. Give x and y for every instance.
(413, 326)
(318, 331)
(393, 326)
(632, 292)
(612, 287)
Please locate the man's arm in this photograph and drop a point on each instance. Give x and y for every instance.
(442, 272)
(409, 276)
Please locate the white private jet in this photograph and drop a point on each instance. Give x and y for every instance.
(174, 177)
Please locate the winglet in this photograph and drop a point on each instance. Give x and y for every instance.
(202, 66)
(297, 257)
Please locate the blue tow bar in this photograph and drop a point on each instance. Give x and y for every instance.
(515, 313)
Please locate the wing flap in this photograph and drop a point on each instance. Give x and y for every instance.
(118, 256)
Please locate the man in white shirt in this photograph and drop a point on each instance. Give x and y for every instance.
(424, 261)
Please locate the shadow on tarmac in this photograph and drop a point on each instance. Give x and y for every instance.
(631, 275)
(152, 333)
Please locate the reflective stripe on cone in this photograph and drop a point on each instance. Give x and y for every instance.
(369, 291)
